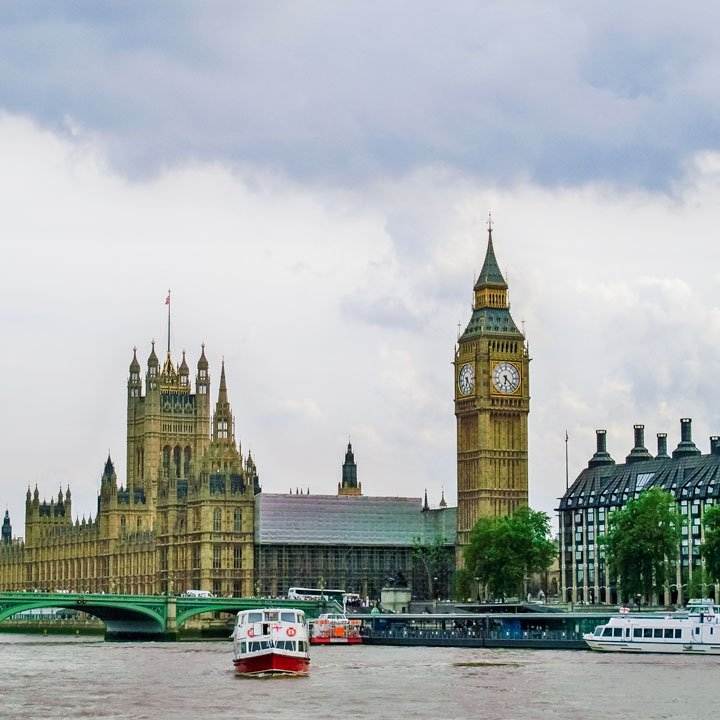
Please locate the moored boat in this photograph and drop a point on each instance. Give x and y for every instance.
(335, 629)
(694, 632)
(272, 641)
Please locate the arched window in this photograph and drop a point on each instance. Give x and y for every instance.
(176, 461)
(237, 525)
(122, 524)
(188, 455)
(217, 520)
(166, 460)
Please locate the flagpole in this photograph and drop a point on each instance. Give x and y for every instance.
(168, 304)
(567, 474)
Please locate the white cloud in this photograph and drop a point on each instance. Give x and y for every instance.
(619, 291)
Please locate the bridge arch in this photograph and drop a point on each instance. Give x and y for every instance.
(121, 615)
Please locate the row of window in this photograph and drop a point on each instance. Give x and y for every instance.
(655, 633)
(257, 645)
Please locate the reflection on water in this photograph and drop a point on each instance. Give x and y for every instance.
(59, 677)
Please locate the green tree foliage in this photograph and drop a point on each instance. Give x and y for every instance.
(504, 551)
(710, 548)
(641, 536)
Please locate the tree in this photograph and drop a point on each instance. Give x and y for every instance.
(642, 537)
(710, 548)
(504, 551)
(433, 558)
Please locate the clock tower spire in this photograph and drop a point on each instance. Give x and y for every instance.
(492, 401)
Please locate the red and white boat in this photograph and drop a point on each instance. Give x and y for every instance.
(335, 629)
(272, 641)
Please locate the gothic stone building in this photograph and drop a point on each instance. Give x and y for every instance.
(184, 517)
(492, 402)
(191, 514)
(604, 486)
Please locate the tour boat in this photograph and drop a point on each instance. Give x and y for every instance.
(695, 631)
(271, 641)
(335, 629)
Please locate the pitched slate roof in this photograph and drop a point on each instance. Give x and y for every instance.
(688, 477)
(348, 520)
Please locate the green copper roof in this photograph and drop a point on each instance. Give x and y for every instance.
(490, 321)
(490, 273)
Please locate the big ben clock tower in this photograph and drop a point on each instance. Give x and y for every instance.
(492, 401)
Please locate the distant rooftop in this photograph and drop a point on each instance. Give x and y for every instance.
(348, 520)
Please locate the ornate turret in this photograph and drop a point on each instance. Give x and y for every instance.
(349, 484)
(443, 504)
(134, 382)
(153, 366)
(184, 372)
(6, 535)
(108, 481)
(202, 380)
(223, 420)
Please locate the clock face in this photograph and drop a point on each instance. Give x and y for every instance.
(506, 377)
(466, 379)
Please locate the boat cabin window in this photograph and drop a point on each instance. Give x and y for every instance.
(598, 630)
(286, 645)
(243, 647)
(668, 633)
(697, 631)
(271, 616)
(657, 632)
(254, 617)
(637, 632)
(617, 632)
(647, 632)
(678, 633)
(607, 632)
(287, 617)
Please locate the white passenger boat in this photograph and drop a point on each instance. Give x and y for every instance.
(694, 631)
(272, 641)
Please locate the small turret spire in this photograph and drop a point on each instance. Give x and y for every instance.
(426, 507)
(222, 393)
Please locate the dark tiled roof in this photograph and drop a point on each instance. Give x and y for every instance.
(689, 478)
(348, 520)
(490, 273)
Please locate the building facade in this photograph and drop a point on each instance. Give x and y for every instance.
(604, 486)
(191, 514)
(184, 518)
(492, 402)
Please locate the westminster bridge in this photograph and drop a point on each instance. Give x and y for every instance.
(151, 617)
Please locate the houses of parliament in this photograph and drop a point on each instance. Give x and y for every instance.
(184, 518)
(191, 513)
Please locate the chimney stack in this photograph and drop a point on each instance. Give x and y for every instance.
(662, 453)
(686, 448)
(714, 445)
(639, 452)
(601, 456)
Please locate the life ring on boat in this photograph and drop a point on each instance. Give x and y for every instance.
(250, 632)
(291, 632)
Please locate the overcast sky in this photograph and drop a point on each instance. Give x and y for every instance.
(312, 180)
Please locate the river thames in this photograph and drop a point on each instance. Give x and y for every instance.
(58, 677)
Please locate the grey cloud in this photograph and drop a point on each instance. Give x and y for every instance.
(385, 312)
(344, 92)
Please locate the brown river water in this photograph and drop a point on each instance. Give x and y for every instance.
(56, 677)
